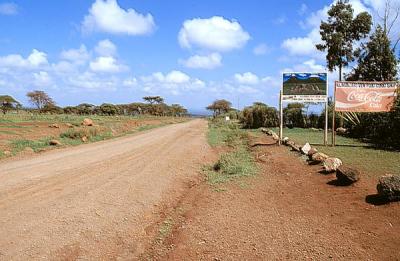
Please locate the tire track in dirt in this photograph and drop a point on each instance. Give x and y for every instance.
(95, 201)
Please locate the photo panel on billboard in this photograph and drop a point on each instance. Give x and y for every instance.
(305, 87)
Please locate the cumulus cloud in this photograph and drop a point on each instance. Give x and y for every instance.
(174, 82)
(299, 46)
(107, 16)
(106, 48)
(78, 56)
(130, 82)
(107, 64)
(210, 61)
(247, 78)
(42, 78)
(215, 33)
(35, 59)
(8, 9)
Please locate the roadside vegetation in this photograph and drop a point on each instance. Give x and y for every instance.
(236, 161)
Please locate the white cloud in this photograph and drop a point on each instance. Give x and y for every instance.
(42, 79)
(299, 46)
(307, 66)
(210, 61)
(106, 48)
(261, 49)
(215, 33)
(35, 59)
(247, 78)
(8, 9)
(78, 56)
(107, 64)
(174, 82)
(130, 82)
(107, 16)
(91, 81)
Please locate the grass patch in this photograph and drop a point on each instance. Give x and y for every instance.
(353, 152)
(36, 145)
(8, 132)
(165, 229)
(149, 127)
(238, 162)
(231, 165)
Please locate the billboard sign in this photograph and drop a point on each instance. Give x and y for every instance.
(305, 87)
(365, 96)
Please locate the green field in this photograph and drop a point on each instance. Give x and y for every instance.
(374, 162)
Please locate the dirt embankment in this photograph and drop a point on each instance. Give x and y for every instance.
(287, 212)
(100, 200)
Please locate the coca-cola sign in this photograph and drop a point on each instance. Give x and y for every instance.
(365, 96)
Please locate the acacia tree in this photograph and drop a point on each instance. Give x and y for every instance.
(340, 33)
(8, 103)
(219, 106)
(153, 99)
(40, 99)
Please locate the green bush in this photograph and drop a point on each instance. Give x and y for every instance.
(259, 115)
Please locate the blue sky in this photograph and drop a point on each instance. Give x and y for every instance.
(190, 52)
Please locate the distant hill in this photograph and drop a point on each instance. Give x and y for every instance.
(309, 80)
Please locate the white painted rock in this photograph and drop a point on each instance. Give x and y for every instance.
(332, 164)
(306, 148)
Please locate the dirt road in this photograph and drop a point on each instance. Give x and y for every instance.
(288, 211)
(96, 201)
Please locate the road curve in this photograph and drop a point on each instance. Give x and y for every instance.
(95, 201)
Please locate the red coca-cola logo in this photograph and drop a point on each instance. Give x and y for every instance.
(364, 96)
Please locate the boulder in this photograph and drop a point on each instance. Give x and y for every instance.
(295, 147)
(54, 142)
(389, 187)
(319, 157)
(87, 122)
(84, 139)
(290, 143)
(275, 136)
(306, 148)
(54, 125)
(347, 175)
(264, 130)
(341, 131)
(285, 140)
(311, 152)
(332, 164)
(270, 132)
(28, 150)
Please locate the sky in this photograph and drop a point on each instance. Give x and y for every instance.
(189, 52)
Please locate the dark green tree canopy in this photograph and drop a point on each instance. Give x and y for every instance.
(153, 99)
(376, 59)
(340, 32)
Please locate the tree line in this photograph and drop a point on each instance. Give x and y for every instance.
(43, 103)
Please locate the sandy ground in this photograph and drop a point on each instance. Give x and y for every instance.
(97, 201)
(289, 211)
